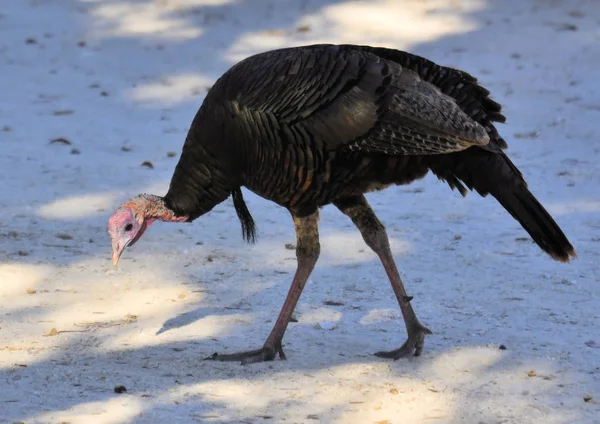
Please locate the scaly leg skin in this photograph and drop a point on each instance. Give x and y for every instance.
(307, 253)
(375, 236)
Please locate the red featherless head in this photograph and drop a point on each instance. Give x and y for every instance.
(129, 222)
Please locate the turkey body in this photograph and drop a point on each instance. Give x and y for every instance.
(304, 126)
(308, 126)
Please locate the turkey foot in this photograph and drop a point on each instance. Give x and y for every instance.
(307, 253)
(375, 236)
(266, 353)
(414, 344)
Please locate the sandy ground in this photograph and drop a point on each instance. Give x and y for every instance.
(120, 81)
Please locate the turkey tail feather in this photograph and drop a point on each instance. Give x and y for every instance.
(526, 209)
(495, 174)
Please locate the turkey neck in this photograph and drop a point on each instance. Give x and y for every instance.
(153, 208)
(206, 173)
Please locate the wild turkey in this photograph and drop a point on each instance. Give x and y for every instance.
(308, 126)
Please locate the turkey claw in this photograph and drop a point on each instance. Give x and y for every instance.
(264, 354)
(414, 344)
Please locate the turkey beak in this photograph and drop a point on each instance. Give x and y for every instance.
(117, 250)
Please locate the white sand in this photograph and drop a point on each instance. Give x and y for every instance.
(187, 291)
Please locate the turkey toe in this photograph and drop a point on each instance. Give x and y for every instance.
(412, 346)
(264, 354)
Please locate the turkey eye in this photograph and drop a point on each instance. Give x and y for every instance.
(128, 227)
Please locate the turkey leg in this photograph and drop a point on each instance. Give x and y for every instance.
(375, 236)
(307, 253)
